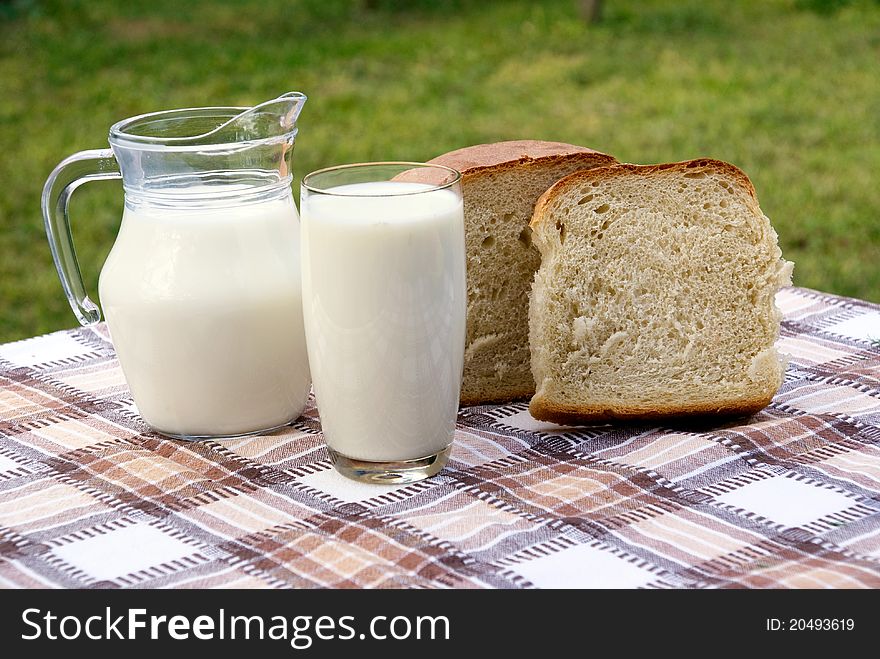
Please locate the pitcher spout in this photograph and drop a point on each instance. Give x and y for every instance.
(266, 120)
(293, 101)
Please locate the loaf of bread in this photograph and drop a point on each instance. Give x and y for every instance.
(501, 183)
(655, 295)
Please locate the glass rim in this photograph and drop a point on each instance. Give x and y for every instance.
(456, 178)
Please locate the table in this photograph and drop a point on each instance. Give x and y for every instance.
(790, 497)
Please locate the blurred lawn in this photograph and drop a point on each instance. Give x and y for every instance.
(790, 94)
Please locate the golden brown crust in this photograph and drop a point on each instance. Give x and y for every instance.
(621, 169)
(573, 415)
(486, 158)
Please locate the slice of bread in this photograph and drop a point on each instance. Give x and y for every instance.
(655, 295)
(501, 183)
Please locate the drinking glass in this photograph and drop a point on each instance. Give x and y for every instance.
(384, 304)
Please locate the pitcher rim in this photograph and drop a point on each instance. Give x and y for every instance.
(119, 137)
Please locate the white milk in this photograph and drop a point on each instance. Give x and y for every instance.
(384, 305)
(205, 310)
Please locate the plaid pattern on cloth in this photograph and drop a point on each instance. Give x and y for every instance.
(89, 497)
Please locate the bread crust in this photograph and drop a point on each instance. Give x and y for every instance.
(624, 169)
(575, 415)
(483, 159)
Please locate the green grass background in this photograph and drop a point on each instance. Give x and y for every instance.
(785, 90)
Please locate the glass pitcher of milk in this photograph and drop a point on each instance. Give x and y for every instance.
(201, 290)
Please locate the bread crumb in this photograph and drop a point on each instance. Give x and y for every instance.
(612, 342)
(579, 328)
(480, 343)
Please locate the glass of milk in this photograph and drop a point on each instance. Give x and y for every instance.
(201, 290)
(384, 302)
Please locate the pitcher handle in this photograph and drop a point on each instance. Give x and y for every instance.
(92, 165)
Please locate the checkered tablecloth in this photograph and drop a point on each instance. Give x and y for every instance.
(788, 498)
